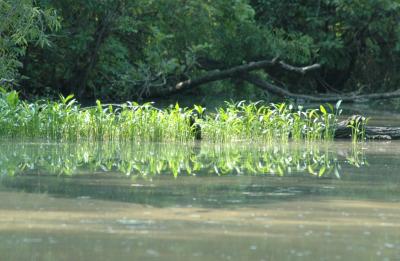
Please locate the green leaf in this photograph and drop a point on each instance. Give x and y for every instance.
(12, 99)
(99, 107)
(338, 104)
(311, 170)
(321, 171)
(322, 109)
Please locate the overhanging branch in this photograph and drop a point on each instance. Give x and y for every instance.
(346, 97)
(301, 70)
(243, 72)
(233, 72)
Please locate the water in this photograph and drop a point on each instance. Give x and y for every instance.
(199, 202)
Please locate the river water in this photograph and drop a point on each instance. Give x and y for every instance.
(327, 201)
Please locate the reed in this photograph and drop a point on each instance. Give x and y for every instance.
(66, 120)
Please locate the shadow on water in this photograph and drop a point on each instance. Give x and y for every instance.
(192, 174)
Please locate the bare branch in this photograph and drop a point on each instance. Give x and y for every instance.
(233, 72)
(301, 70)
(242, 72)
(346, 97)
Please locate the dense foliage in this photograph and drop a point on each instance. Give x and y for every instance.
(22, 24)
(122, 49)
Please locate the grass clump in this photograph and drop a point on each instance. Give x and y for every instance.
(66, 120)
(357, 125)
(273, 122)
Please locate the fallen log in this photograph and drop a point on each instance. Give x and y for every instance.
(344, 130)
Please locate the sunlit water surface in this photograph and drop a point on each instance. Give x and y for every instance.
(97, 202)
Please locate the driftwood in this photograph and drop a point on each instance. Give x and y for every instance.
(343, 131)
(375, 133)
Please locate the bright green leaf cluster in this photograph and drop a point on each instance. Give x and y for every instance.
(66, 120)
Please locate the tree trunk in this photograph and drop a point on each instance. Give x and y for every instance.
(100, 35)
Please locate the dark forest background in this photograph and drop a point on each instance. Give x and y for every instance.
(120, 50)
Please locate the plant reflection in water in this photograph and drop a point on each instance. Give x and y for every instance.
(153, 159)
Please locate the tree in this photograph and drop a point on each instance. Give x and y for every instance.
(356, 42)
(22, 23)
(129, 49)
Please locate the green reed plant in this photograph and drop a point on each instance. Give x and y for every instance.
(357, 124)
(66, 120)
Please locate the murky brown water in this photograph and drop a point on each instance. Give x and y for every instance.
(212, 212)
